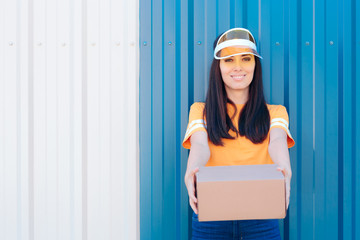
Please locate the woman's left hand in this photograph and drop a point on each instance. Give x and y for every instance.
(287, 175)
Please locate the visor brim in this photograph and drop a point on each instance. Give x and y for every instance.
(234, 51)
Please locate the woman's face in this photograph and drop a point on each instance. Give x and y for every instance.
(237, 72)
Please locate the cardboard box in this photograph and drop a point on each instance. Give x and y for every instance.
(240, 192)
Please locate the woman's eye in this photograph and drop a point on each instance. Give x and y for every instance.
(246, 59)
(228, 60)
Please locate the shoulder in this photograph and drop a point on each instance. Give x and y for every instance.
(196, 111)
(274, 107)
(276, 110)
(198, 106)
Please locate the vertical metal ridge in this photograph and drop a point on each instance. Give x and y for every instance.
(260, 25)
(31, 117)
(299, 116)
(217, 17)
(354, 139)
(178, 118)
(84, 122)
(110, 167)
(325, 120)
(313, 81)
(314, 117)
(71, 121)
(18, 123)
(286, 88)
(191, 52)
(57, 126)
(162, 110)
(286, 55)
(145, 117)
(152, 119)
(245, 15)
(232, 13)
(340, 121)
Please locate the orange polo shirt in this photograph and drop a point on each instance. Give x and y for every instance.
(238, 151)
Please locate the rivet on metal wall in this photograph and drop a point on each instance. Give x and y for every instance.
(64, 44)
(170, 43)
(39, 44)
(307, 43)
(331, 42)
(277, 43)
(11, 44)
(145, 43)
(199, 43)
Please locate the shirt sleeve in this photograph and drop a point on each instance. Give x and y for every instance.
(196, 122)
(280, 119)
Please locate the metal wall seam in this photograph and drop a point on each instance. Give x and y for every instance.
(295, 124)
(356, 159)
(306, 99)
(184, 47)
(169, 119)
(24, 119)
(348, 121)
(145, 108)
(39, 140)
(78, 122)
(157, 118)
(331, 122)
(10, 157)
(320, 161)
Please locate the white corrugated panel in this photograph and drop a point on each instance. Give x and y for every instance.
(69, 119)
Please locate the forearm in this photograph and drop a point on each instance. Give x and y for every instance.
(279, 153)
(198, 156)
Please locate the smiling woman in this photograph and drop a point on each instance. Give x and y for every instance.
(235, 126)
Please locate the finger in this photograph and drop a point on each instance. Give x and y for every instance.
(287, 192)
(193, 198)
(194, 206)
(287, 198)
(191, 191)
(287, 205)
(281, 170)
(195, 170)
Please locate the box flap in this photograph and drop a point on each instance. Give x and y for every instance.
(238, 173)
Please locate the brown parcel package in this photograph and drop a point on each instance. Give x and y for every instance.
(240, 192)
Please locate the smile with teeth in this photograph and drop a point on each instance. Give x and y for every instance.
(238, 77)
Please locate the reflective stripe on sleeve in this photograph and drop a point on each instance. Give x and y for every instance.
(280, 120)
(199, 125)
(282, 125)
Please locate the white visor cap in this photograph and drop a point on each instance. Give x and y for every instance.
(240, 38)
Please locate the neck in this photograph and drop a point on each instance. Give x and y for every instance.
(238, 97)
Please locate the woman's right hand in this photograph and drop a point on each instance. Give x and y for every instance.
(190, 181)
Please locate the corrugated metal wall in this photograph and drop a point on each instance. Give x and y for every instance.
(69, 119)
(311, 65)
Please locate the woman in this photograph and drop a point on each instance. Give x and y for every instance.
(235, 126)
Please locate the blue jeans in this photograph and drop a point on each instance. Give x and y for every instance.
(241, 229)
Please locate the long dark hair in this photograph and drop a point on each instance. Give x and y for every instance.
(254, 120)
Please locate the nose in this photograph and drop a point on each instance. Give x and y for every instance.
(237, 64)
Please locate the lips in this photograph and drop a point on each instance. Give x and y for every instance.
(238, 77)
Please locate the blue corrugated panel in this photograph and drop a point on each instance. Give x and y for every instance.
(311, 65)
